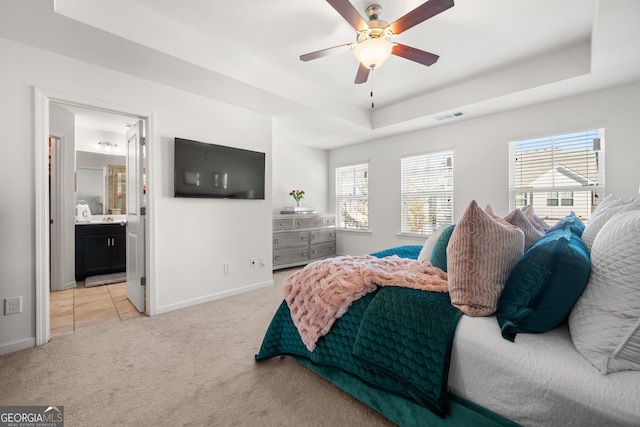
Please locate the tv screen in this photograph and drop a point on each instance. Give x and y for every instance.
(216, 171)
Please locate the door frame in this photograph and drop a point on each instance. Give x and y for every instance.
(41, 99)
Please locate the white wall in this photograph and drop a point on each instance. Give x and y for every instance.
(481, 157)
(193, 238)
(297, 167)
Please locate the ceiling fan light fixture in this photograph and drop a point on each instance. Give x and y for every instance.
(373, 52)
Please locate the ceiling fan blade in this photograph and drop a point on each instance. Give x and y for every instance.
(326, 52)
(362, 75)
(348, 12)
(420, 14)
(413, 54)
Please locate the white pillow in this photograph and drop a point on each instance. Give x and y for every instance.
(608, 208)
(425, 252)
(605, 322)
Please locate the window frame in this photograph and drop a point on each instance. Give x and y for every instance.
(435, 188)
(569, 168)
(359, 199)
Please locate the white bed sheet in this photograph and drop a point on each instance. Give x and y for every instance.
(540, 380)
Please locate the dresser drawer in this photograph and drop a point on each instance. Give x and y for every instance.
(322, 250)
(328, 221)
(290, 238)
(318, 236)
(282, 224)
(308, 222)
(291, 255)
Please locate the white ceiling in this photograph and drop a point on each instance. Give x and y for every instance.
(494, 55)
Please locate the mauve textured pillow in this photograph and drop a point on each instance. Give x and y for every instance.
(531, 233)
(544, 285)
(608, 208)
(535, 220)
(439, 252)
(482, 251)
(605, 322)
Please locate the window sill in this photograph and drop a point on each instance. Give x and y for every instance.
(347, 230)
(413, 236)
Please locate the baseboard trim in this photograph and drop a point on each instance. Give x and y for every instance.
(213, 297)
(17, 345)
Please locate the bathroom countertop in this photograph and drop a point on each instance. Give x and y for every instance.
(104, 219)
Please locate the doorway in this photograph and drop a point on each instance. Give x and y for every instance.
(43, 101)
(93, 290)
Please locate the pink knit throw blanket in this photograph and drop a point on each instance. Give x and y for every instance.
(321, 292)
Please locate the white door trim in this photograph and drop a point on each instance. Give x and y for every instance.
(42, 98)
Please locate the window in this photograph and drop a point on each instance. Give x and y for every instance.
(427, 192)
(558, 174)
(552, 199)
(522, 200)
(352, 197)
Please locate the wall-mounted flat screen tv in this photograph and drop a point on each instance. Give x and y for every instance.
(217, 171)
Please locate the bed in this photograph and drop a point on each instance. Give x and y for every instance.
(501, 368)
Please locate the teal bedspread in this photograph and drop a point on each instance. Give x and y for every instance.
(408, 251)
(395, 339)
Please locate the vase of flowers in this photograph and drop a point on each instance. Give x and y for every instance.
(297, 195)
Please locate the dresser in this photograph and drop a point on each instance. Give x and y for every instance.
(299, 239)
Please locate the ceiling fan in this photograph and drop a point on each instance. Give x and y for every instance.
(373, 44)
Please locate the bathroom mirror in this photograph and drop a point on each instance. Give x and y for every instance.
(101, 182)
(90, 189)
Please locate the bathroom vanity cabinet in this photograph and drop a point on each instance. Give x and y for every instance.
(100, 249)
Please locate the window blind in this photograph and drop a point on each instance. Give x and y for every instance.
(426, 192)
(352, 197)
(558, 174)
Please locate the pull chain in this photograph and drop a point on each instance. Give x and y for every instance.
(371, 93)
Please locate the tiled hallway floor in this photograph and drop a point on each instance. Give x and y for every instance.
(79, 307)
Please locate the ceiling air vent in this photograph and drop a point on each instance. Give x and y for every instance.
(448, 116)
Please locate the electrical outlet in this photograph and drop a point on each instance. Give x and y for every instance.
(261, 262)
(227, 268)
(252, 262)
(12, 305)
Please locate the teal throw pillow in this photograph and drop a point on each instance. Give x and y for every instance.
(574, 223)
(544, 285)
(439, 251)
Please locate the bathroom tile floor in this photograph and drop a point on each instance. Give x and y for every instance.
(75, 308)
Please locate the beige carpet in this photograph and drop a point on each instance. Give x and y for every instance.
(192, 367)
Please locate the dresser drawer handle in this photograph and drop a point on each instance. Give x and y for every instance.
(277, 257)
(277, 240)
(282, 224)
(314, 236)
(304, 253)
(315, 251)
(304, 237)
